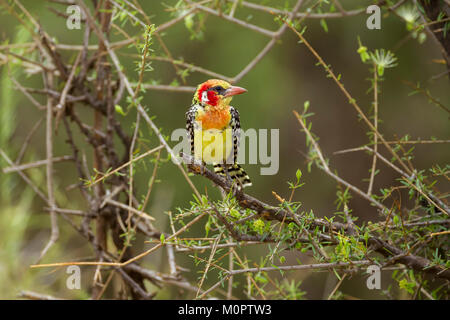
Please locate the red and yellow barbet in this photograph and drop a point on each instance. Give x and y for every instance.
(213, 128)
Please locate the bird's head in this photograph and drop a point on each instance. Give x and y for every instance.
(216, 93)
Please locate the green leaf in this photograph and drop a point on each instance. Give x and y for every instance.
(306, 106)
(408, 286)
(324, 25)
(119, 110)
(298, 174)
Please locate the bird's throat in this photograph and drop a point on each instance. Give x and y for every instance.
(215, 118)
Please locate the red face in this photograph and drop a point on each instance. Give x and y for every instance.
(208, 95)
(213, 91)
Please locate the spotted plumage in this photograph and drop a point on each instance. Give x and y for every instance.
(190, 123)
(213, 128)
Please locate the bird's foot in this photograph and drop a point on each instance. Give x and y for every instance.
(203, 168)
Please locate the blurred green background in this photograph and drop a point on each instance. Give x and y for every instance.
(281, 82)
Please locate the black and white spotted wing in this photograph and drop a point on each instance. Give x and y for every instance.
(190, 124)
(235, 124)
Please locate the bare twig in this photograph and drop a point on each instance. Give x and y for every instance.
(375, 123)
(61, 106)
(50, 182)
(36, 296)
(36, 164)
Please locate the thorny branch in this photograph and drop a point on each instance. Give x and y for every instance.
(270, 212)
(107, 205)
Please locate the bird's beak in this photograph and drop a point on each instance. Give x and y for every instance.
(232, 91)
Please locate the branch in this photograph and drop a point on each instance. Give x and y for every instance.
(269, 212)
(50, 181)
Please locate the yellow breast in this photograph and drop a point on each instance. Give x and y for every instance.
(213, 145)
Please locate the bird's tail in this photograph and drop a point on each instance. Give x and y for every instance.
(236, 173)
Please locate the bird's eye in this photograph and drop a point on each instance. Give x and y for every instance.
(218, 88)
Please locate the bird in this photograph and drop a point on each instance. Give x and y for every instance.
(213, 129)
